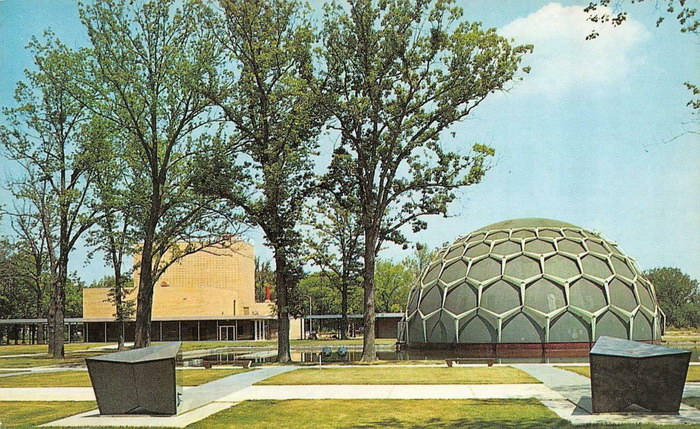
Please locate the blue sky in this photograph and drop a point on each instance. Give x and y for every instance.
(587, 137)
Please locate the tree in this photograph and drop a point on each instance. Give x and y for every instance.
(678, 296)
(139, 74)
(399, 73)
(30, 263)
(262, 86)
(418, 261)
(47, 136)
(335, 245)
(392, 283)
(113, 235)
(264, 278)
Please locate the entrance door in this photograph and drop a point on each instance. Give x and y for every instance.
(227, 333)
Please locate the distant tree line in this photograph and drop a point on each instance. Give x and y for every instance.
(180, 124)
(678, 295)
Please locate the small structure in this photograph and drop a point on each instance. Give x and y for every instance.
(630, 376)
(140, 381)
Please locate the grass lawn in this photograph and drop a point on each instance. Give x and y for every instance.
(693, 371)
(372, 413)
(420, 375)
(681, 335)
(42, 360)
(187, 377)
(31, 414)
(21, 349)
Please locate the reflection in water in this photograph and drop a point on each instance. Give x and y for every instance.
(509, 356)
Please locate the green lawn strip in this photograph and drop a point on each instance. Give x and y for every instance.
(33, 362)
(693, 402)
(32, 414)
(693, 371)
(373, 413)
(8, 350)
(185, 377)
(384, 375)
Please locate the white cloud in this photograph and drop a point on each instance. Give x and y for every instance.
(563, 59)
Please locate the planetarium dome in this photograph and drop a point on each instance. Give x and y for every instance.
(531, 281)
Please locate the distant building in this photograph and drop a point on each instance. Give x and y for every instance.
(208, 295)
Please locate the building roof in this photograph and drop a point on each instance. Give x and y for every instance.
(351, 316)
(527, 223)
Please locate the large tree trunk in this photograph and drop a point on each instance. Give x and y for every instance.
(144, 301)
(344, 310)
(50, 323)
(281, 276)
(369, 351)
(58, 300)
(118, 304)
(40, 326)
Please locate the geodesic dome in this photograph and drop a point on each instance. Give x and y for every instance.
(531, 281)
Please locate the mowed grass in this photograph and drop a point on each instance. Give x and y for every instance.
(693, 371)
(32, 414)
(372, 413)
(394, 375)
(21, 349)
(185, 377)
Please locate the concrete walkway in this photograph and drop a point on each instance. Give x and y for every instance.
(414, 391)
(196, 403)
(574, 387)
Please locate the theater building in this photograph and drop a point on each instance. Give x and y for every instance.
(205, 296)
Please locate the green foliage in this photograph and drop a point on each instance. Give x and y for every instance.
(264, 276)
(678, 296)
(320, 293)
(397, 74)
(261, 83)
(392, 282)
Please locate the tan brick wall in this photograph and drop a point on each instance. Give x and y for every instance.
(206, 283)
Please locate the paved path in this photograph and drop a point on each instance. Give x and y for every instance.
(577, 406)
(196, 403)
(210, 392)
(414, 391)
(574, 387)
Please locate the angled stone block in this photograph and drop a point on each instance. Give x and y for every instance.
(627, 375)
(140, 381)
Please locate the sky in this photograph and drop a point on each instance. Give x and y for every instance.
(595, 135)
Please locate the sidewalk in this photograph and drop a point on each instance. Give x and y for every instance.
(196, 403)
(417, 391)
(577, 406)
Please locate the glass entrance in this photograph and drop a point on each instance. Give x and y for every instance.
(227, 333)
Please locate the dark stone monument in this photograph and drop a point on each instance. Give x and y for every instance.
(140, 381)
(627, 376)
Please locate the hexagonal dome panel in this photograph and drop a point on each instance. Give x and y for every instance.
(539, 246)
(483, 288)
(461, 298)
(570, 246)
(594, 266)
(454, 271)
(522, 268)
(485, 269)
(587, 295)
(506, 248)
(561, 266)
(545, 296)
(500, 297)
